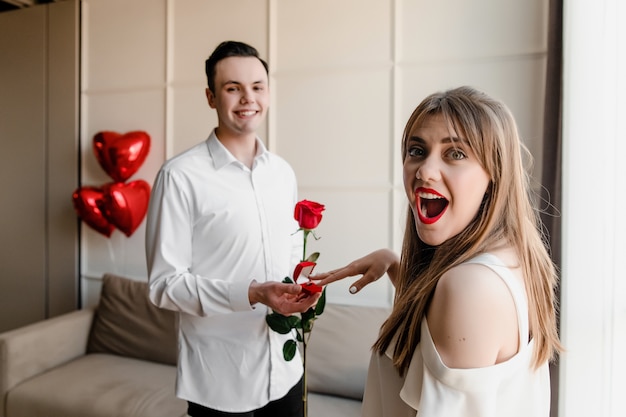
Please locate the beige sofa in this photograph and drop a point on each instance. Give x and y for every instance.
(119, 360)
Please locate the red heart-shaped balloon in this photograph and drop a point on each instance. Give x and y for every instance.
(88, 205)
(121, 155)
(125, 205)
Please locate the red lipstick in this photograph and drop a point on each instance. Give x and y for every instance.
(429, 204)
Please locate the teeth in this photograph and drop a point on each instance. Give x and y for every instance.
(430, 196)
(247, 113)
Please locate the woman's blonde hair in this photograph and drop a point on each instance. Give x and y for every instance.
(506, 214)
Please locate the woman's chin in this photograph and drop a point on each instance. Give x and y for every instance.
(430, 238)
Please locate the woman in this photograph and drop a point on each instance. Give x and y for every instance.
(473, 325)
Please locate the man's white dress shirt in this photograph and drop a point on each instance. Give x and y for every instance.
(213, 226)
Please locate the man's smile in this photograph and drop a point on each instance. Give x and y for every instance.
(246, 113)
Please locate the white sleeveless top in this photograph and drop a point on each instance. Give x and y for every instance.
(430, 389)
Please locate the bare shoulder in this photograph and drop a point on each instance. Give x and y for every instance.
(472, 318)
(473, 283)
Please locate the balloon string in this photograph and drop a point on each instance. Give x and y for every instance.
(118, 253)
(122, 246)
(112, 253)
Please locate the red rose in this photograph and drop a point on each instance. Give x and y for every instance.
(308, 214)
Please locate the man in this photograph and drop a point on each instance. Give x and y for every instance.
(219, 241)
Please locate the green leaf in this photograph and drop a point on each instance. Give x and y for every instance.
(321, 303)
(308, 315)
(307, 320)
(313, 257)
(289, 349)
(294, 322)
(281, 324)
(299, 337)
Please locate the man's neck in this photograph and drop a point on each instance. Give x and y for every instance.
(243, 146)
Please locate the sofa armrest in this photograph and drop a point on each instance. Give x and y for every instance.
(38, 347)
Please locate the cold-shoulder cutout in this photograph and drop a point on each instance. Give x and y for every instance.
(472, 318)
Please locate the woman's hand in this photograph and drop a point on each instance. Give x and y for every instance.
(371, 267)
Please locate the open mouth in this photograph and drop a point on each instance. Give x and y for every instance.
(430, 206)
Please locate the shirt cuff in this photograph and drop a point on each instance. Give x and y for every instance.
(238, 296)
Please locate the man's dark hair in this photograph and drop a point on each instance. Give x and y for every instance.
(227, 49)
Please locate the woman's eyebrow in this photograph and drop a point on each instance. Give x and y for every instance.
(447, 139)
(416, 139)
(454, 139)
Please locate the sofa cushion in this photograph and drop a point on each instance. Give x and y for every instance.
(99, 385)
(126, 323)
(322, 405)
(339, 349)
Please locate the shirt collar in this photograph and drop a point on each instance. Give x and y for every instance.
(222, 156)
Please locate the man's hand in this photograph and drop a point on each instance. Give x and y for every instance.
(285, 299)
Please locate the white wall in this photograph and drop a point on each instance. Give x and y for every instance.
(345, 75)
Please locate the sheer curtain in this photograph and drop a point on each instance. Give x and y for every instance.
(593, 288)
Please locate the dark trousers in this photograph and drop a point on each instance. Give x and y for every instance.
(288, 406)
